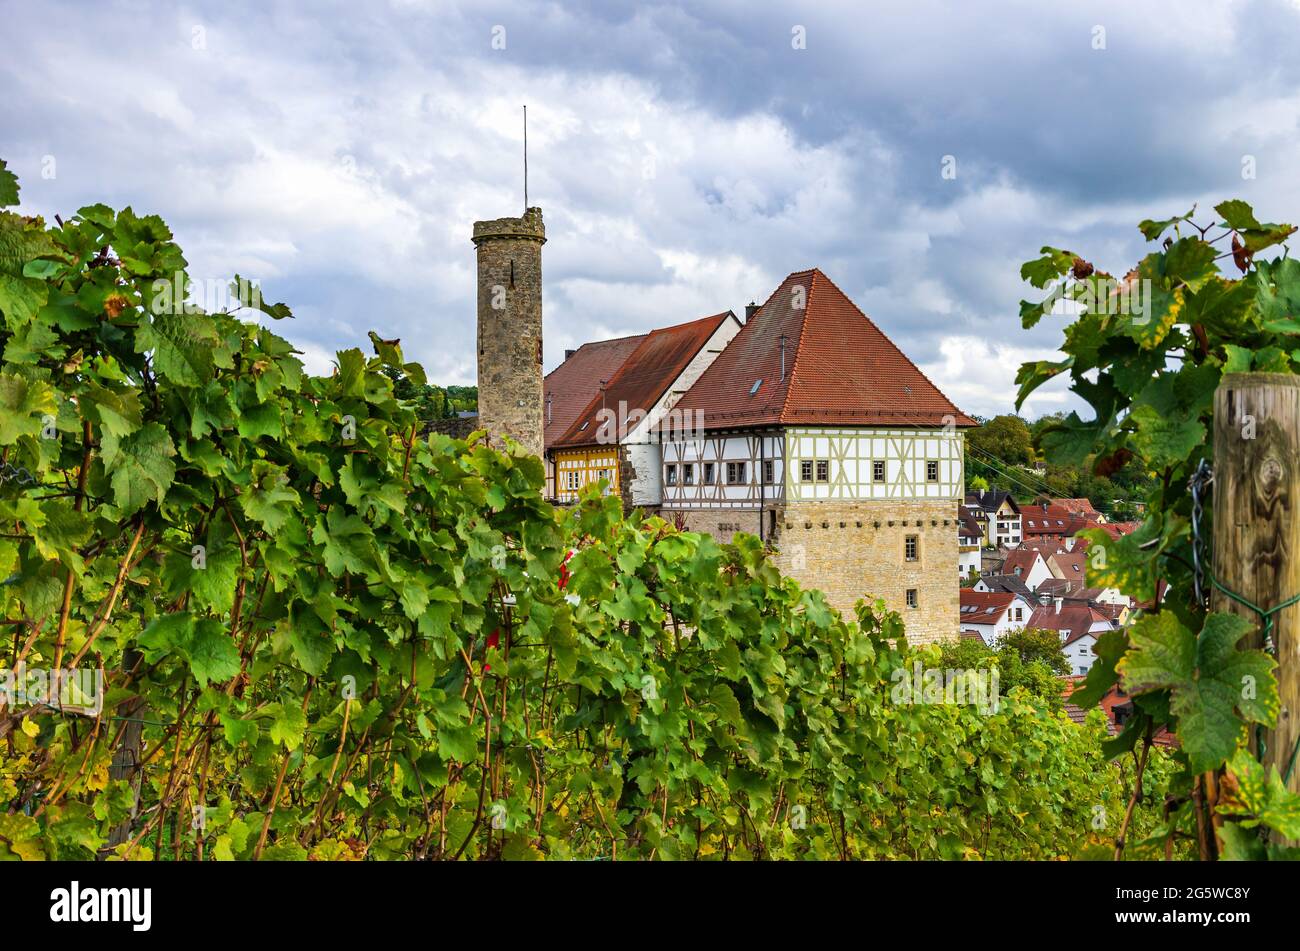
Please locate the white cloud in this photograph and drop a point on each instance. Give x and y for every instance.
(978, 376)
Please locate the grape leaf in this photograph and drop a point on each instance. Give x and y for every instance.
(1215, 688)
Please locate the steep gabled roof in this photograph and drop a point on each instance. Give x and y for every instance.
(1053, 520)
(642, 380)
(1071, 564)
(1012, 584)
(1023, 559)
(1118, 530)
(990, 500)
(569, 388)
(840, 369)
(1075, 506)
(968, 525)
(1076, 617)
(983, 607)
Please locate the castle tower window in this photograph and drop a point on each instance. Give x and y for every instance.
(912, 599)
(911, 548)
(878, 470)
(932, 470)
(806, 470)
(708, 474)
(769, 471)
(737, 473)
(670, 474)
(688, 473)
(823, 470)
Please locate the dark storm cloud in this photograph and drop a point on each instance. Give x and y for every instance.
(687, 155)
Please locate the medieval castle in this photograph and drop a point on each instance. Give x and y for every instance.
(803, 424)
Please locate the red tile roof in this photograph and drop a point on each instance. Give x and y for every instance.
(976, 605)
(1046, 545)
(968, 525)
(1035, 520)
(1077, 506)
(1117, 530)
(643, 379)
(1071, 564)
(1112, 699)
(1074, 617)
(840, 369)
(571, 385)
(1022, 558)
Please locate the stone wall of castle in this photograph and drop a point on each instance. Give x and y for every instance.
(510, 327)
(851, 550)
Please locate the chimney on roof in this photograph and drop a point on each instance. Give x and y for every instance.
(569, 353)
(750, 310)
(783, 339)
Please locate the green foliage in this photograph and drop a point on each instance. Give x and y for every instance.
(1147, 354)
(1000, 452)
(341, 641)
(1028, 658)
(429, 402)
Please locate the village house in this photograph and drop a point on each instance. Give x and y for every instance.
(1010, 583)
(1002, 516)
(614, 437)
(1027, 565)
(1069, 565)
(1115, 705)
(1079, 624)
(970, 542)
(1053, 520)
(572, 385)
(992, 614)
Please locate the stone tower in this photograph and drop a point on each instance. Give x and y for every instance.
(510, 327)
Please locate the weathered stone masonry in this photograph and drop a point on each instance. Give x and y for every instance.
(510, 327)
(857, 549)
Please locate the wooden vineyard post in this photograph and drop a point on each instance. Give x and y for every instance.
(1256, 505)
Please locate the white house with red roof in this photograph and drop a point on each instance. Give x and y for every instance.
(1079, 624)
(992, 614)
(1028, 565)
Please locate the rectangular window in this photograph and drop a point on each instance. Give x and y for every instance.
(670, 476)
(708, 474)
(823, 470)
(878, 471)
(769, 471)
(911, 598)
(688, 473)
(573, 479)
(932, 470)
(805, 470)
(1016, 615)
(911, 547)
(737, 473)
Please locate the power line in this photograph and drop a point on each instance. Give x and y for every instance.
(996, 464)
(992, 461)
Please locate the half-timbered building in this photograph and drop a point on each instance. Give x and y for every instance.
(614, 438)
(814, 431)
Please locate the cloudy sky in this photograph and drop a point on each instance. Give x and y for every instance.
(687, 156)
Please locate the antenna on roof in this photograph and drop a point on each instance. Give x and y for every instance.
(525, 158)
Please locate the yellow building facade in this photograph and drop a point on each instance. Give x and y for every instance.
(577, 468)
